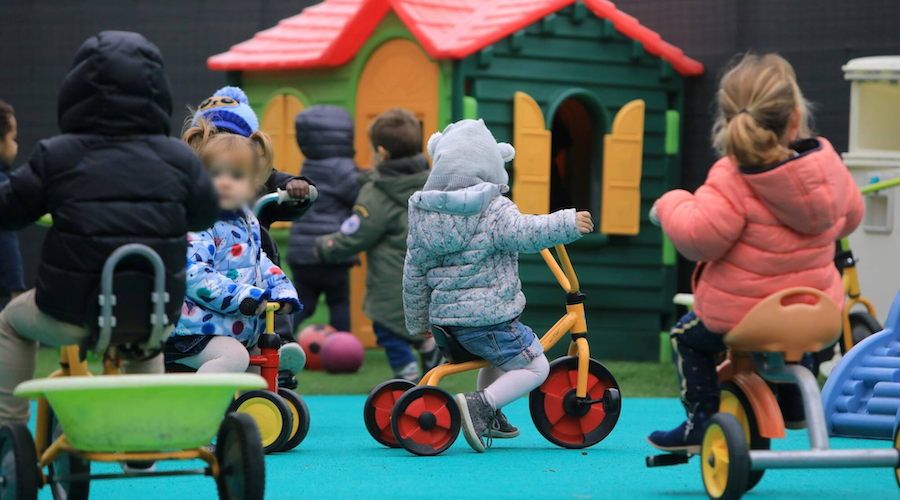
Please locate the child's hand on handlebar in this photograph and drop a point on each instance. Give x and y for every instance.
(585, 223)
(285, 308)
(252, 307)
(298, 189)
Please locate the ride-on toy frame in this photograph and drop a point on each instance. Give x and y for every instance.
(128, 418)
(766, 347)
(576, 407)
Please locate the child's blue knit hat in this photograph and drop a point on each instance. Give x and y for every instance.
(466, 154)
(228, 109)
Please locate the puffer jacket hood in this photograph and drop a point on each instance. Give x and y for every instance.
(399, 178)
(325, 132)
(452, 210)
(117, 86)
(806, 192)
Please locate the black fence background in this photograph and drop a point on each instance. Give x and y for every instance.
(39, 37)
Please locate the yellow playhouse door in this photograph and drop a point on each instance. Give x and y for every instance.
(278, 122)
(398, 74)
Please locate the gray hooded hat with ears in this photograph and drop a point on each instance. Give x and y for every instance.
(466, 154)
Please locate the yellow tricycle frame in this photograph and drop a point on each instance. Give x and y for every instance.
(573, 322)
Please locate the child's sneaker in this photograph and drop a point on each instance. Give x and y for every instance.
(687, 437)
(137, 467)
(505, 430)
(291, 358)
(408, 372)
(478, 418)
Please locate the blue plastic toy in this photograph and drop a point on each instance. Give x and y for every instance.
(862, 395)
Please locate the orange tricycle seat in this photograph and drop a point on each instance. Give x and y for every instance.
(792, 321)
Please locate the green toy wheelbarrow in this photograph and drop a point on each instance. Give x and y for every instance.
(130, 419)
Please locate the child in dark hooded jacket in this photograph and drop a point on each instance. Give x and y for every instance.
(325, 136)
(113, 177)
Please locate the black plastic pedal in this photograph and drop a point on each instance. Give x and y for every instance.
(668, 459)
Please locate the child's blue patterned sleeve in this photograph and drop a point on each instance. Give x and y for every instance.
(206, 286)
(280, 287)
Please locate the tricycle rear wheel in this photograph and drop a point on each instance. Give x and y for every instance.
(19, 474)
(378, 408)
(300, 420)
(242, 465)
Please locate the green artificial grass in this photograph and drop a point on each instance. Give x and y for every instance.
(637, 380)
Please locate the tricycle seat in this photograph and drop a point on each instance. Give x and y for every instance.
(450, 347)
(792, 322)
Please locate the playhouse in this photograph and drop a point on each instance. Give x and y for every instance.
(590, 99)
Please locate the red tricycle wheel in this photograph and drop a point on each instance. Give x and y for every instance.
(425, 420)
(377, 411)
(564, 420)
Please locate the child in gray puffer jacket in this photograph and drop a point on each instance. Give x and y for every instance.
(462, 271)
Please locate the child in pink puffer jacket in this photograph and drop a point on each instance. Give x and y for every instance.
(765, 219)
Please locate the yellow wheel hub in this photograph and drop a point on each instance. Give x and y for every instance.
(296, 421)
(715, 461)
(732, 405)
(267, 417)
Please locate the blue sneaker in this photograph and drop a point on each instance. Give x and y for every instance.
(686, 438)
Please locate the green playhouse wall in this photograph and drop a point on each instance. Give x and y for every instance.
(628, 284)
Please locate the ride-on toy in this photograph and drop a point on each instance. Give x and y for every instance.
(129, 418)
(280, 413)
(576, 407)
(766, 346)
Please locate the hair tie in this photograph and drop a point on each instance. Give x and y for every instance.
(743, 111)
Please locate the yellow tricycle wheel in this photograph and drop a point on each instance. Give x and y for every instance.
(300, 419)
(735, 402)
(724, 459)
(272, 414)
(897, 446)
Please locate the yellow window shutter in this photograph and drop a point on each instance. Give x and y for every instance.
(531, 167)
(622, 159)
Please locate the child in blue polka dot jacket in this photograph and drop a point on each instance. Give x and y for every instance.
(229, 276)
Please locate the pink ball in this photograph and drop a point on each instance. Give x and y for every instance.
(342, 352)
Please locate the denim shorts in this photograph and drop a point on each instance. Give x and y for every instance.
(508, 346)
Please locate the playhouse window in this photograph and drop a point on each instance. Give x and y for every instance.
(573, 157)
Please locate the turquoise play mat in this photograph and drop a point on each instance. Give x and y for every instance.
(340, 461)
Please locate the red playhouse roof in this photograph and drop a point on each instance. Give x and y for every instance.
(330, 33)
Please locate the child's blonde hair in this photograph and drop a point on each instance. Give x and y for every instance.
(756, 99)
(203, 137)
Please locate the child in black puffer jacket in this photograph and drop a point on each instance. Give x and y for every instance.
(113, 177)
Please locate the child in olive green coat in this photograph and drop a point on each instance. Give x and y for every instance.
(378, 226)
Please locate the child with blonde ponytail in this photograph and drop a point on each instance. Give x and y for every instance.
(765, 219)
(229, 276)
